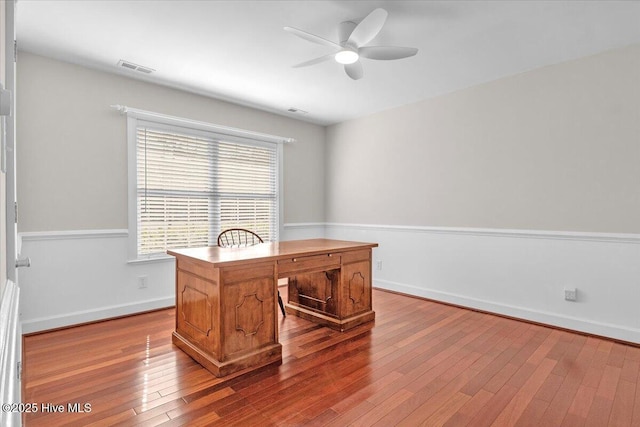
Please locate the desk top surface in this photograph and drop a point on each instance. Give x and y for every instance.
(219, 256)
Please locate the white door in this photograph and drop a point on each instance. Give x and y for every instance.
(9, 154)
(10, 330)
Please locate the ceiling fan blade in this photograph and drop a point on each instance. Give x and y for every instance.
(312, 37)
(368, 28)
(386, 52)
(354, 70)
(315, 60)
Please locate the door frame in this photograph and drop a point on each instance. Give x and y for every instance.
(11, 235)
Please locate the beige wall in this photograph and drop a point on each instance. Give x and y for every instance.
(556, 148)
(72, 159)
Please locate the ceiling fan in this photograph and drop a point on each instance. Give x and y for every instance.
(353, 38)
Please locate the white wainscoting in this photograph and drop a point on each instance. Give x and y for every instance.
(80, 276)
(515, 273)
(307, 230)
(83, 276)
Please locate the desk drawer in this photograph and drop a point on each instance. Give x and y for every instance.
(355, 256)
(306, 263)
(247, 272)
(197, 268)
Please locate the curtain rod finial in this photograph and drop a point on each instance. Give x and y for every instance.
(121, 108)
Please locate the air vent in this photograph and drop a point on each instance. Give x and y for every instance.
(131, 66)
(297, 111)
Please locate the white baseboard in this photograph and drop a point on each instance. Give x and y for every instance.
(79, 317)
(552, 319)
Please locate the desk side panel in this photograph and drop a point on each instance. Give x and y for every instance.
(249, 321)
(197, 305)
(356, 283)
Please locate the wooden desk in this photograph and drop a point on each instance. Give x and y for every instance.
(226, 298)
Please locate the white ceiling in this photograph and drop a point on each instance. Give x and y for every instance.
(238, 50)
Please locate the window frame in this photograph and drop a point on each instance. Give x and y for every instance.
(135, 117)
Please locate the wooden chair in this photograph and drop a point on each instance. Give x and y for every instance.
(238, 238)
(241, 238)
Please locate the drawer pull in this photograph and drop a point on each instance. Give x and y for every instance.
(294, 259)
(329, 255)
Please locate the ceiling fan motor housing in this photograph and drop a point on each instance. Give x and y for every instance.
(344, 31)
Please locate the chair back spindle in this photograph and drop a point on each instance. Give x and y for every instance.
(238, 238)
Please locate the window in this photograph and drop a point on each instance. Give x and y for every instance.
(192, 182)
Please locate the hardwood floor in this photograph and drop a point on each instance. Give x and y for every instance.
(423, 363)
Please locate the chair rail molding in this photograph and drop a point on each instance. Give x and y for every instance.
(73, 234)
(499, 232)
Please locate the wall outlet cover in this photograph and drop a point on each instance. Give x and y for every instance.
(570, 294)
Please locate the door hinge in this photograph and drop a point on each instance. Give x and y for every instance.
(15, 212)
(19, 370)
(15, 51)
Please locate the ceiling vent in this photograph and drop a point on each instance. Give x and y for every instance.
(297, 111)
(131, 66)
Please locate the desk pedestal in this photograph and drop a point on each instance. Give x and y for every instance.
(226, 317)
(332, 289)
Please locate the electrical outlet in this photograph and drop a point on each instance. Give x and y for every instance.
(570, 294)
(142, 282)
(379, 265)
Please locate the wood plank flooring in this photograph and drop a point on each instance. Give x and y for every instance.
(422, 363)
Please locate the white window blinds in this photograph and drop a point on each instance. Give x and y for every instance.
(192, 184)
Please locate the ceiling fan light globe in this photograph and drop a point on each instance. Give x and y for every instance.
(346, 56)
